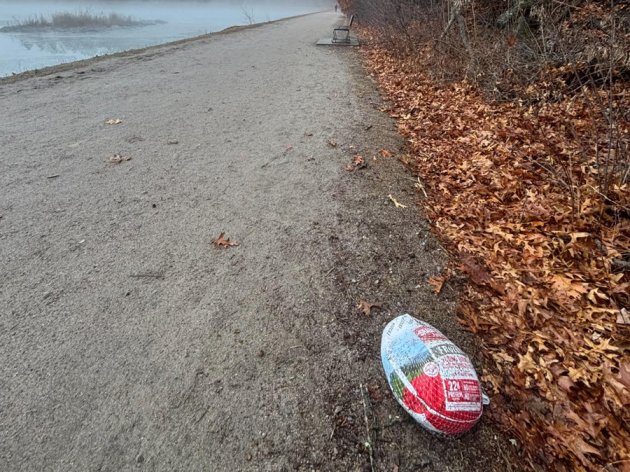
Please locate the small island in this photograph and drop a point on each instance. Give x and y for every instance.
(75, 21)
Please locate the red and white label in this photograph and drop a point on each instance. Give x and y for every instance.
(462, 395)
(456, 366)
(428, 334)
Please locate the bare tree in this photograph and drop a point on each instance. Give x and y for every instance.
(248, 13)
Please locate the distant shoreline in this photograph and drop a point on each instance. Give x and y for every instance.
(75, 21)
(67, 66)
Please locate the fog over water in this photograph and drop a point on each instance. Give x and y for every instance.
(26, 50)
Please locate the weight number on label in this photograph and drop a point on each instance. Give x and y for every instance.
(453, 386)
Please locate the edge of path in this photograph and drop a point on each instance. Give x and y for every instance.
(385, 256)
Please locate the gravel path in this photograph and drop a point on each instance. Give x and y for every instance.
(129, 342)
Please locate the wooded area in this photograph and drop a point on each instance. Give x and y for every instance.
(517, 115)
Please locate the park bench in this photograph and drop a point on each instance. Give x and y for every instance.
(341, 34)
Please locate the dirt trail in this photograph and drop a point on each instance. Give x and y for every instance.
(128, 342)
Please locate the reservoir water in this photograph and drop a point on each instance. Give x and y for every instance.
(21, 51)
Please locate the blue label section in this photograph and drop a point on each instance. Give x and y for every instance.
(409, 350)
(403, 353)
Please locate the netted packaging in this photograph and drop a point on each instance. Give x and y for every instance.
(431, 378)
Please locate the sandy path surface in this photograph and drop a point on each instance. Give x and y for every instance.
(128, 342)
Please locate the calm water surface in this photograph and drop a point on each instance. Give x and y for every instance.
(32, 50)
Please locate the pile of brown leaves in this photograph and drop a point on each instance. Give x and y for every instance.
(514, 196)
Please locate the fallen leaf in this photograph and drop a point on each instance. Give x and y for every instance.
(332, 143)
(398, 205)
(567, 286)
(566, 383)
(580, 448)
(113, 121)
(223, 242)
(385, 153)
(623, 318)
(526, 363)
(374, 391)
(624, 374)
(358, 161)
(366, 307)
(437, 283)
(477, 273)
(118, 158)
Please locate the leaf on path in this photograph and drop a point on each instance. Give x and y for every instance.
(366, 307)
(224, 242)
(113, 121)
(375, 393)
(357, 163)
(437, 283)
(118, 158)
(385, 153)
(332, 143)
(396, 203)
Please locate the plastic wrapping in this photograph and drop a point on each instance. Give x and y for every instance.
(431, 378)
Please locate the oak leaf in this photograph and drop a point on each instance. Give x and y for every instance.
(357, 163)
(224, 242)
(367, 307)
(566, 383)
(437, 282)
(118, 158)
(476, 272)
